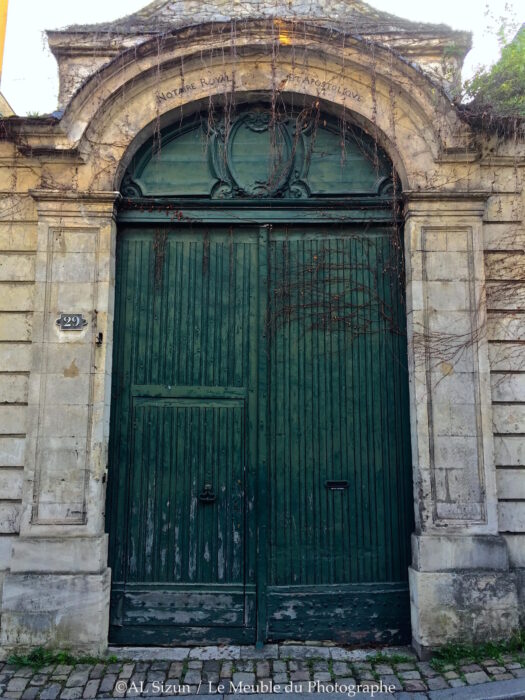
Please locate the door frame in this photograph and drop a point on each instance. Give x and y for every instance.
(370, 211)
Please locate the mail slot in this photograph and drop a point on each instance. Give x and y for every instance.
(336, 485)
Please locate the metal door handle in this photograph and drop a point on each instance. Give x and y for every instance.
(333, 485)
(207, 495)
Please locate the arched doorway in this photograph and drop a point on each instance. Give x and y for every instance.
(260, 472)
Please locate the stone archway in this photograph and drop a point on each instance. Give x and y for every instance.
(460, 564)
(260, 348)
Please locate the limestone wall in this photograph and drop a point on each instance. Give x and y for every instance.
(18, 231)
(504, 243)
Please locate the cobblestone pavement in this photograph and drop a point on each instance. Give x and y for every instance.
(276, 668)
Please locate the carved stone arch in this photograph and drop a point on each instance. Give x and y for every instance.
(292, 147)
(416, 123)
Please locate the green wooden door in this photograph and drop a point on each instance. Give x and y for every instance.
(260, 471)
(339, 455)
(182, 451)
(260, 457)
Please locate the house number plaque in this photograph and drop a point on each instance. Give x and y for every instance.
(71, 322)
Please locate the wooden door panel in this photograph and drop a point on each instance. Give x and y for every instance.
(339, 453)
(181, 458)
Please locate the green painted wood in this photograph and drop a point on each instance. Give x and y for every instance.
(349, 614)
(166, 211)
(253, 155)
(182, 417)
(260, 348)
(338, 409)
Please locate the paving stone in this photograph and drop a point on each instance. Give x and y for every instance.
(346, 680)
(384, 668)
(304, 652)
(476, 677)
(279, 666)
(142, 666)
(17, 684)
(47, 669)
(127, 671)
(365, 675)
(436, 683)
(243, 677)
(214, 652)
(456, 683)
(77, 678)
(298, 666)
(212, 665)
(281, 678)
(324, 676)
(226, 669)
(519, 673)
(302, 687)
(391, 680)
(193, 676)
(160, 665)
(512, 665)
(63, 670)
(410, 675)
(24, 673)
(97, 671)
(339, 654)
(269, 651)
(175, 669)
(149, 690)
(107, 683)
(51, 692)
(245, 666)
(471, 668)
(426, 669)
(71, 693)
(405, 667)
(340, 668)
(489, 662)
(195, 664)
(414, 685)
(319, 665)
(15, 694)
(159, 676)
(90, 691)
(39, 679)
(137, 679)
(113, 668)
(496, 669)
(31, 693)
(450, 675)
(262, 669)
(502, 677)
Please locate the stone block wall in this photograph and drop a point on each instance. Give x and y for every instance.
(18, 230)
(504, 246)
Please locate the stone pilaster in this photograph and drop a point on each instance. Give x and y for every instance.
(461, 588)
(57, 592)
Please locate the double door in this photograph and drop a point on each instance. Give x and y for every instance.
(260, 477)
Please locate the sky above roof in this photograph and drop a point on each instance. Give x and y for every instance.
(30, 79)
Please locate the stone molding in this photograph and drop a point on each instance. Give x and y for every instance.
(68, 393)
(451, 419)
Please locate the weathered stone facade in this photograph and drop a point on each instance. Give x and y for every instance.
(465, 252)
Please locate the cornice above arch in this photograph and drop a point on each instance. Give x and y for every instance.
(80, 49)
(341, 54)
